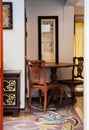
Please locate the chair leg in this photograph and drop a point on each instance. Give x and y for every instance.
(45, 100)
(61, 95)
(40, 95)
(72, 94)
(49, 98)
(29, 101)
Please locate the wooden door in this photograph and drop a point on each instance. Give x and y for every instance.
(1, 69)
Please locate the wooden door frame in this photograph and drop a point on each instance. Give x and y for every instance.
(1, 69)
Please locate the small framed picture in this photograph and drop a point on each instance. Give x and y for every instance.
(7, 15)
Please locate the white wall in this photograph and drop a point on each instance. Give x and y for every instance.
(35, 8)
(14, 45)
(66, 24)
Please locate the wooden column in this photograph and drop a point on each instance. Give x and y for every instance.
(1, 69)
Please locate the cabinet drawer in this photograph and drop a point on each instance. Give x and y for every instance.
(10, 85)
(9, 99)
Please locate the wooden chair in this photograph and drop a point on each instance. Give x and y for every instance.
(37, 80)
(77, 76)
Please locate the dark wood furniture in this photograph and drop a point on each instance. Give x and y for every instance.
(77, 76)
(36, 70)
(54, 66)
(12, 92)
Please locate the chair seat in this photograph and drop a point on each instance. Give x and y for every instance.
(48, 86)
(77, 76)
(70, 82)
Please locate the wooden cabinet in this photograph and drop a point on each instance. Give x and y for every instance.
(12, 92)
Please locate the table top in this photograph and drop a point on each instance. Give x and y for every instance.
(59, 65)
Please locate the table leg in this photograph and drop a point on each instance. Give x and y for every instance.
(53, 75)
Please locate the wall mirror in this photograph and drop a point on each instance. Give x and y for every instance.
(48, 38)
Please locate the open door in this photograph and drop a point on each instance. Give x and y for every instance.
(1, 69)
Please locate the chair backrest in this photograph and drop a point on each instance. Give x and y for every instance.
(36, 72)
(77, 71)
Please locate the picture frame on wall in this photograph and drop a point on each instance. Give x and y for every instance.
(7, 15)
(48, 38)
